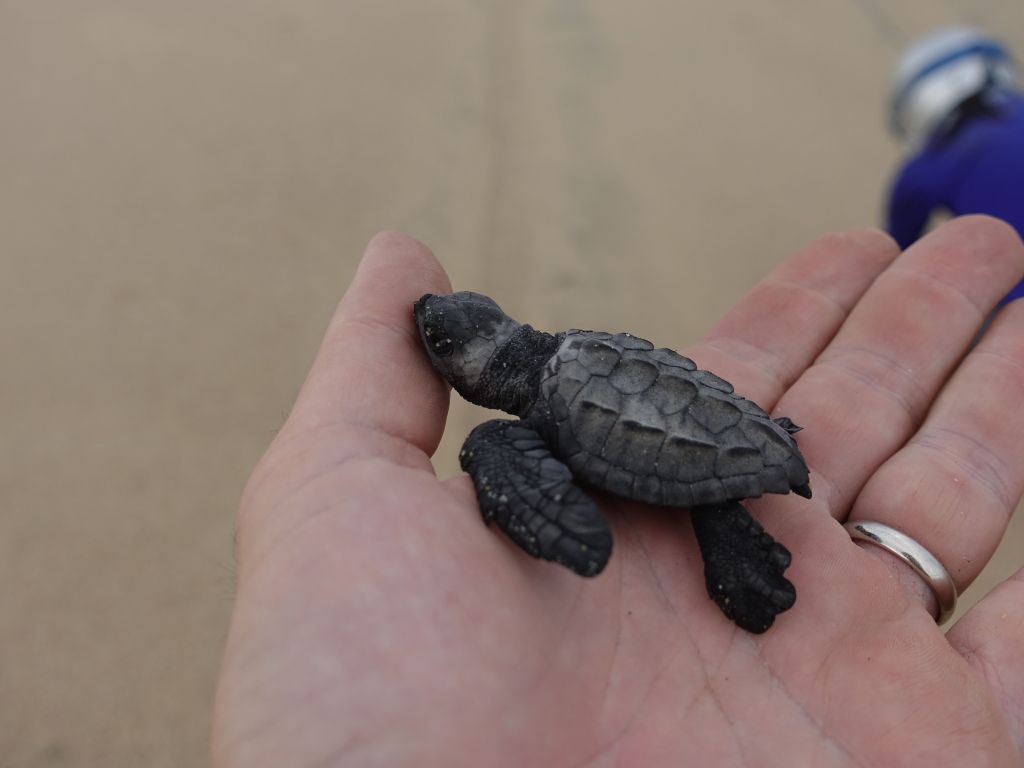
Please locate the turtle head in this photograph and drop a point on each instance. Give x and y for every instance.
(462, 332)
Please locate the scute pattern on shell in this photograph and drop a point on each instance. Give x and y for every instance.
(647, 424)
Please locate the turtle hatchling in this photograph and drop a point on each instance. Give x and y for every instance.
(610, 411)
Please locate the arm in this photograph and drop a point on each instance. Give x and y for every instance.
(912, 200)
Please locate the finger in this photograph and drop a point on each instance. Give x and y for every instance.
(955, 484)
(766, 341)
(990, 637)
(370, 370)
(870, 388)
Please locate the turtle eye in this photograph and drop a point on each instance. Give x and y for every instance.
(437, 340)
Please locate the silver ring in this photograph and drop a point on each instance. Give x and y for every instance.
(913, 554)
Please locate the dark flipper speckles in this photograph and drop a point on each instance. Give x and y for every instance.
(743, 566)
(531, 496)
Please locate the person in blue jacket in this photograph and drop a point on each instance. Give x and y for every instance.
(954, 99)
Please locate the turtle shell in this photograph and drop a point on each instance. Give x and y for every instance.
(647, 424)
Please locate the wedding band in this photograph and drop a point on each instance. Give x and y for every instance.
(913, 554)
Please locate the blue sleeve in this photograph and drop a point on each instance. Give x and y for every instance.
(911, 202)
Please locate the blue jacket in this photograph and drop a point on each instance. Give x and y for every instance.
(978, 169)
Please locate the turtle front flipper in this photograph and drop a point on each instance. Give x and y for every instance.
(531, 496)
(743, 566)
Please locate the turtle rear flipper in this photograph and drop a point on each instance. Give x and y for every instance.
(531, 496)
(743, 566)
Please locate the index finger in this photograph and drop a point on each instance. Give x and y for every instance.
(371, 370)
(764, 343)
(867, 393)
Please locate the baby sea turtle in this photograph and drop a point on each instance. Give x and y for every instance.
(612, 411)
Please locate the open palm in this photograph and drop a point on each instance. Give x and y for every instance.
(378, 622)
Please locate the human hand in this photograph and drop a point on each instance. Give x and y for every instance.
(378, 622)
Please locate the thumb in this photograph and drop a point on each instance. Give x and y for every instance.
(371, 370)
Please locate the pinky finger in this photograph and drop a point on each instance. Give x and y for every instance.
(990, 637)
